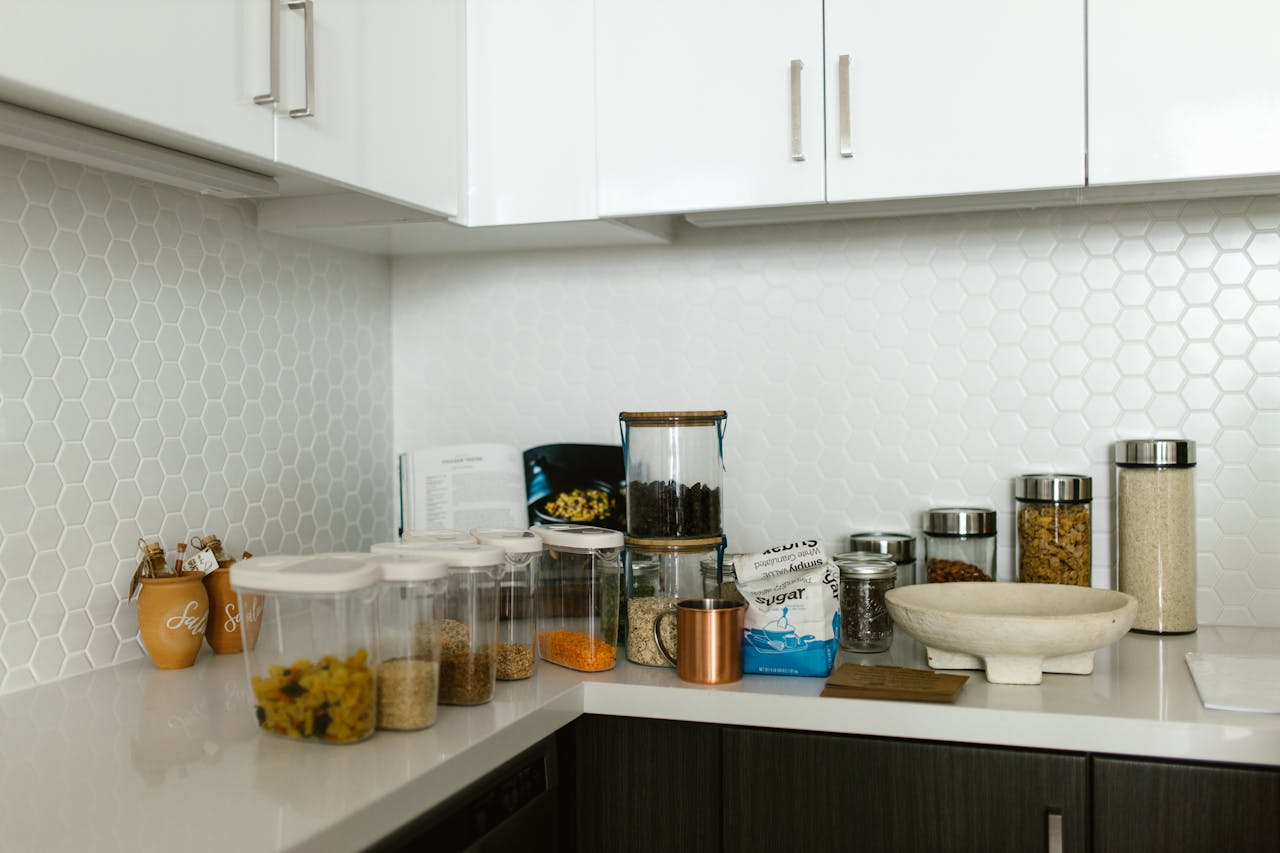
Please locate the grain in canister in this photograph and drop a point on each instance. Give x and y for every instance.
(1156, 532)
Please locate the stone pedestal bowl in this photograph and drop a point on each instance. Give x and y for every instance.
(1015, 631)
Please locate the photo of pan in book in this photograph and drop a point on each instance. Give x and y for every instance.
(576, 484)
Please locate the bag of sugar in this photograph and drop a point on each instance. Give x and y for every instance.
(792, 621)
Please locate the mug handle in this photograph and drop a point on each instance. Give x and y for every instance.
(657, 634)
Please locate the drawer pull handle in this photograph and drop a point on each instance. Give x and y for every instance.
(309, 51)
(273, 58)
(797, 144)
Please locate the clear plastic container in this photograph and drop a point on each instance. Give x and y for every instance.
(660, 571)
(579, 596)
(959, 544)
(311, 644)
(517, 617)
(1054, 515)
(865, 623)
(720, 579)
(899, 548)
(411, 608)
(675, 466)
(1155, 496)
(469, 632)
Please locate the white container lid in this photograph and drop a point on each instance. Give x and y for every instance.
(512, 541)
(439, 534)
(406, 547)
(323, 573)
(412, 568)
(578, 536)
(465, 555)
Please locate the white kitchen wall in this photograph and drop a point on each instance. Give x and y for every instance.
(874, 368)
(165, 370)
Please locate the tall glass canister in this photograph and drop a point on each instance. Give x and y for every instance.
(675, 465)
(1155, 501)
(660, 571)
(1055, 528)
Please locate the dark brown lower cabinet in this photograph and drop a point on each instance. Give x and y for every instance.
(1159, 806)
(659, 785)
(646, 785)
(802, 791)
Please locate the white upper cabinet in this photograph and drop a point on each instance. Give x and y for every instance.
(369, 96)
(1183, 91)
(145, 68)
(948, 97)
(531, 120)
(709, 105)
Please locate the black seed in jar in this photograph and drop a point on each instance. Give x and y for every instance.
(667, 508)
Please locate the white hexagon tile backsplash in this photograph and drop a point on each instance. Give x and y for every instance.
(874, 368)
(166, 370)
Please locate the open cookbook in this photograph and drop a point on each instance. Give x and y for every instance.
(497, 485)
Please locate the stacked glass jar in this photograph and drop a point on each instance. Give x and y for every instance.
(674, 464)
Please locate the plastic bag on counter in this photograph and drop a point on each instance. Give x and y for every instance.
(793, 610)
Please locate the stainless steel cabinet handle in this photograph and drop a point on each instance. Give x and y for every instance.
(273, 93)
(797, 144)
(309, 49)
(1053, 832)
(846, 136)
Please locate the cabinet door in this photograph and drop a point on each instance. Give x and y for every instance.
(954, 96)
(531, 120)
(384, 82)
(160, 70)
(645, 785)
(695, 105)
(1182, 91)
(1156, 806)
(799, 791)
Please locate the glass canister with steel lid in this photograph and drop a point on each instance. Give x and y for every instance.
(898, 548)
(1055, 528)
(959, 544)
(720, 579)
(1156, 532)
(675, 464)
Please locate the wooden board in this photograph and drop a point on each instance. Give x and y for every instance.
(855, 681)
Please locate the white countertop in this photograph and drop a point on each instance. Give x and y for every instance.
(132, 758)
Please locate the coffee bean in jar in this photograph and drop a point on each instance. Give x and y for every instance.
(1055, 528)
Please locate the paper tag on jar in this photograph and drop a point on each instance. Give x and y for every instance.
(203, 561)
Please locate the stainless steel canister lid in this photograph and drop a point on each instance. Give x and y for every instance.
(899, 547)
(868, 570)
(1166, 452)
(1053, 487)
(959, 521)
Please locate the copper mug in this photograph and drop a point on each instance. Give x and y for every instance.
(708, 639)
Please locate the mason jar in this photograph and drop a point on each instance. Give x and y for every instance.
(720, 579)
(1055, 528)
(865, 623)
(1155, 498)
